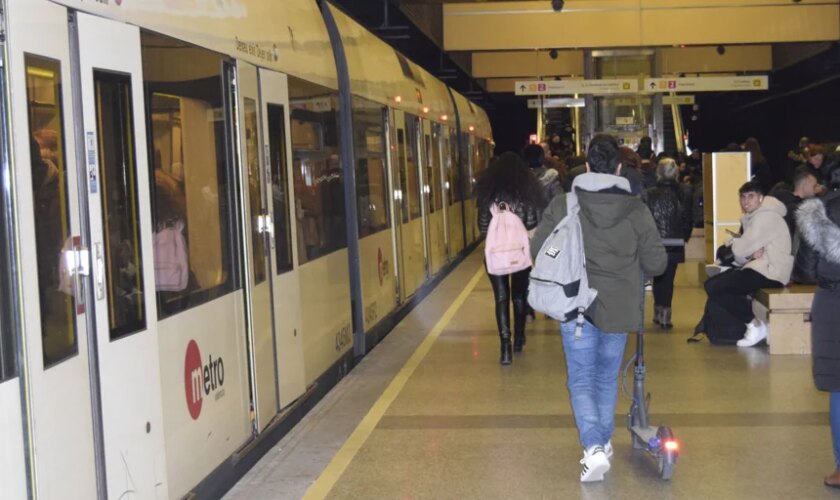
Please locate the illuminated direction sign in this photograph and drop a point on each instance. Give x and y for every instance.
(570, 87)
(706, 84)
(557, 102)
(679, 100)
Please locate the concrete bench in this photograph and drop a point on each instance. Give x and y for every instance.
(787, 312)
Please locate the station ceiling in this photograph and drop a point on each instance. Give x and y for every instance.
(499, 42)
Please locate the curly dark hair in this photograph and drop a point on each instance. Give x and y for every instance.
(508, 179)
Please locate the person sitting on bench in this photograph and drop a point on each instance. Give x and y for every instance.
(763, 256)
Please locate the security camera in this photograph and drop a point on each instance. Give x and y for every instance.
(721, 50)
(557, 5)
(552, 53)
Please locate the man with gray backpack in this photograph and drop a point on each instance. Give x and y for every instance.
(587, 273)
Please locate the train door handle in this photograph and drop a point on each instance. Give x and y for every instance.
(100, 271)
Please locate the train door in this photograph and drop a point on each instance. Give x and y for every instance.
(255, 226)
(274, 96)
(469, 183)
(121, 252)
(410, 220)
(440, 143)
(53, 296)
(424, 156)
(434, 196)
(396, 200)
(454, 190)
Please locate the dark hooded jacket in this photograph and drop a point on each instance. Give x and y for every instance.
(620, 239)
(818, 261)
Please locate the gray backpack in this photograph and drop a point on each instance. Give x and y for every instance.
(559, 285)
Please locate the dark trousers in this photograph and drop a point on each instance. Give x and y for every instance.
(511, 286)
(663, 285)
(730, 291)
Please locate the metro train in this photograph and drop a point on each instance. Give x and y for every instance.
(181, 269)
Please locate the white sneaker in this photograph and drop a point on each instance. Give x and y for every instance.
(608, 450)
(595, 464)
(755, 334)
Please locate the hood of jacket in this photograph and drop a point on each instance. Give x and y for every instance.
(605, 199)
(819, 229)
(770, 204)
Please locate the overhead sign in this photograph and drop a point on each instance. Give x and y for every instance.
(557, 102)
(571, 87)
(706, 84)
(679, 100)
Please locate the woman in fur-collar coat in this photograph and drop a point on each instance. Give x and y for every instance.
(818, 261)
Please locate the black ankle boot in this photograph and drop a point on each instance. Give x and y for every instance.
(506, 357)
(519, 342)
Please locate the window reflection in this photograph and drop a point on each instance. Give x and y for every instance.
(252, 164)
(124, 269)
(371, 184)
(453, 170)
(279, 187)
(436, 201)
(412, 174)
(319, 186)
(52, 218)
(193, 192)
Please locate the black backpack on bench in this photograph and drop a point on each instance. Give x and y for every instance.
(720, 327)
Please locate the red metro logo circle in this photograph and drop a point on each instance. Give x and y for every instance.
(193, 379)
(202, 379)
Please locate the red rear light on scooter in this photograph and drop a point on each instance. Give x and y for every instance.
(671, 445)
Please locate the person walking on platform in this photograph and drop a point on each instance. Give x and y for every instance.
(620, 241)
(549, 179)
(818, 261)
(670, 205)
(508, 181)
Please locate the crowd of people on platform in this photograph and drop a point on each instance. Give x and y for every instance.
(637, 211)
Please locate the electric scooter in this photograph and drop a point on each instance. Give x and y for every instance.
(659, 442)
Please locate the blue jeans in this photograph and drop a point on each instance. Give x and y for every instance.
(834, 418)
(592, 365)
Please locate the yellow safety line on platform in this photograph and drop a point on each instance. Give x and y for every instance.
(325, 482)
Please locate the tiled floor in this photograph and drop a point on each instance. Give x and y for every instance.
(462, 426)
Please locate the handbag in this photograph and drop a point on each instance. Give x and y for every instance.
(725, 256)
(172, 270)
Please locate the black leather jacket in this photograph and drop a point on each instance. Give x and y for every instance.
(525, 210)
(671, 209)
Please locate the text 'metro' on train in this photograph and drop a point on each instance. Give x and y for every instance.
(210, 209)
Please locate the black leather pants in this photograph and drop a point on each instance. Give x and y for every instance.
(512, 286)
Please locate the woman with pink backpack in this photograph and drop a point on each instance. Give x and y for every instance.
(509, 200)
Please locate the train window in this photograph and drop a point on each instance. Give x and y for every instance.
(371, 184)
(52, 216)
(117, 170)
(411, 183)
(435, 171)
(193, 186)
(319, 186)
(427, 153)
(401, 166)
(252, 163)
(453, 170)
(280, 187)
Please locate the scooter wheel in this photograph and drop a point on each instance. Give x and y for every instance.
(666, 465)
(667, 459)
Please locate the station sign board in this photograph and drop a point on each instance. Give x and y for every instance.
(706, 84)
(557, 102)
(571, 87)
(679, 100)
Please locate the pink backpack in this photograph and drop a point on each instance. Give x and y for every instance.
(507, 248)
(172, 269)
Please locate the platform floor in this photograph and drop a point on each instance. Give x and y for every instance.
(430, 414)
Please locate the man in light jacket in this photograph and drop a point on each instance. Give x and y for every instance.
(763, 254)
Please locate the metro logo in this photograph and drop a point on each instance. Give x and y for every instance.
(200, 380)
